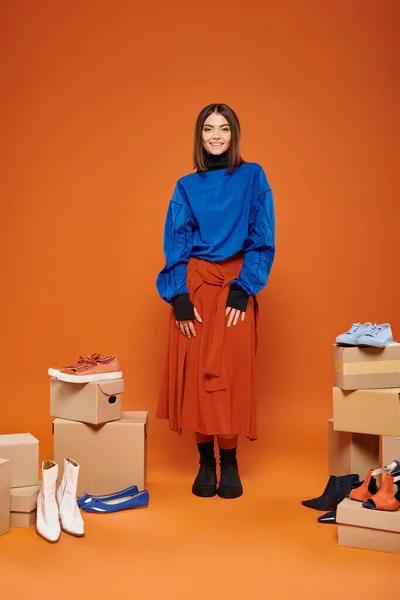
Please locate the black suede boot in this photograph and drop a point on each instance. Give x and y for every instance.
(205, 484)
(347, 483)
(230, 485)
(329, 497)
(336, 490)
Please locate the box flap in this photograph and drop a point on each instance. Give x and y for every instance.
(112, 387)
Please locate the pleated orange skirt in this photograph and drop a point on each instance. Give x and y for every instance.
(208, 381)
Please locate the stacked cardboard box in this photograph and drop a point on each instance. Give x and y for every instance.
(366, 412)
(90, 427)
(5, 483)
(20, 454)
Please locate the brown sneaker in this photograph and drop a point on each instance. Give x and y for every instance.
(92, 370)
(55, 371)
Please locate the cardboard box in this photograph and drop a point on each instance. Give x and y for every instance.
(352, 452)
(350, 512)
(367, 411)
(23, 520)
(5, 482)
(366, 368)
(390, 449)
(96, 402)
(22, 449)
(111, 456)
(368, 539)
(24, 499)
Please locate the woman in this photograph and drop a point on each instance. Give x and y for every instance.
(219, 245)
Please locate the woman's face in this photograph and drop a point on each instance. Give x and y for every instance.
(216, 134)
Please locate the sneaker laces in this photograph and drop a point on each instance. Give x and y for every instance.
(354, 328)
(373, 332)
(88, 363)
(83, 359)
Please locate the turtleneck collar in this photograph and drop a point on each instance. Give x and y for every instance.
(214, 162)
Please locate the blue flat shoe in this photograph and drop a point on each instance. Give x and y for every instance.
(116, 504)
(86, 498)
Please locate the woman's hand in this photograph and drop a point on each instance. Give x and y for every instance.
(234, 315)
(187, 327)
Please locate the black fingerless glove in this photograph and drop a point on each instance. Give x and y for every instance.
(237, 298)
(184, 309)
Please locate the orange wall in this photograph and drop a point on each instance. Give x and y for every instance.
(99, 103)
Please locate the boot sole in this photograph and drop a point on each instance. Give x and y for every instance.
(47, 540)
(230, 494)
(203, 493)
(77, 535)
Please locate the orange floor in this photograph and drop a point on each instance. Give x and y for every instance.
(263, 545)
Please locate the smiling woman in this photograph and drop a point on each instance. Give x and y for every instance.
(217, 131)
(219, 245)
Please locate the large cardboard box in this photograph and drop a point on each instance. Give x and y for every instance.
(22, 449)
(111, 456)
(369, 539)
(366, 368)
(367, 411)
(390, 449)
(5, 481)
(24, 499)
(350, 512)
(368, 529)
(352, 452)
(22, 520)
(96, 402)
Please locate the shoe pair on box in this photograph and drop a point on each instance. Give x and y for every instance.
(89, 368)
(367, 492)
(367, 334)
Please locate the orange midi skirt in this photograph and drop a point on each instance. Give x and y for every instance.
(208, 381)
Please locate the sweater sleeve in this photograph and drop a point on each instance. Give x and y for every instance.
(178, 242)
(259, 246)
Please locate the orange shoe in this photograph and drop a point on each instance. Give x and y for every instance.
(55, 371)
(369, 486)
(385, 499)
(91, 370)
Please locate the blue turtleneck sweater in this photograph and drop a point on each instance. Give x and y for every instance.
(214, 215)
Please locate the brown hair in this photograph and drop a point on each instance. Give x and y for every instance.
(234, 157)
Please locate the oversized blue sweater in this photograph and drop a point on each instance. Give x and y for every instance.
(214, 215)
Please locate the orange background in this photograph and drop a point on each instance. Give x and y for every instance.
(99, 101)
(99, 104)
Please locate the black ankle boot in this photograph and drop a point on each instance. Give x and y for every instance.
(205, 484)
(329, 497)
(347, 483)
(230, 485)
(335, 491)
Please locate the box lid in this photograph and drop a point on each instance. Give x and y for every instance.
(112, 387)
(3, 461)
(17, 438)
(24, 499)
(350, 512)
(368, 393)
(30, 491)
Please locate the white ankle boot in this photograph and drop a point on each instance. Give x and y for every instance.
(47, 521)
(70, 515)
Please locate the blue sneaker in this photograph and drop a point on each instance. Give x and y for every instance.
(86, 498)
(351, 337)
(97, 505)
(377, 337)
